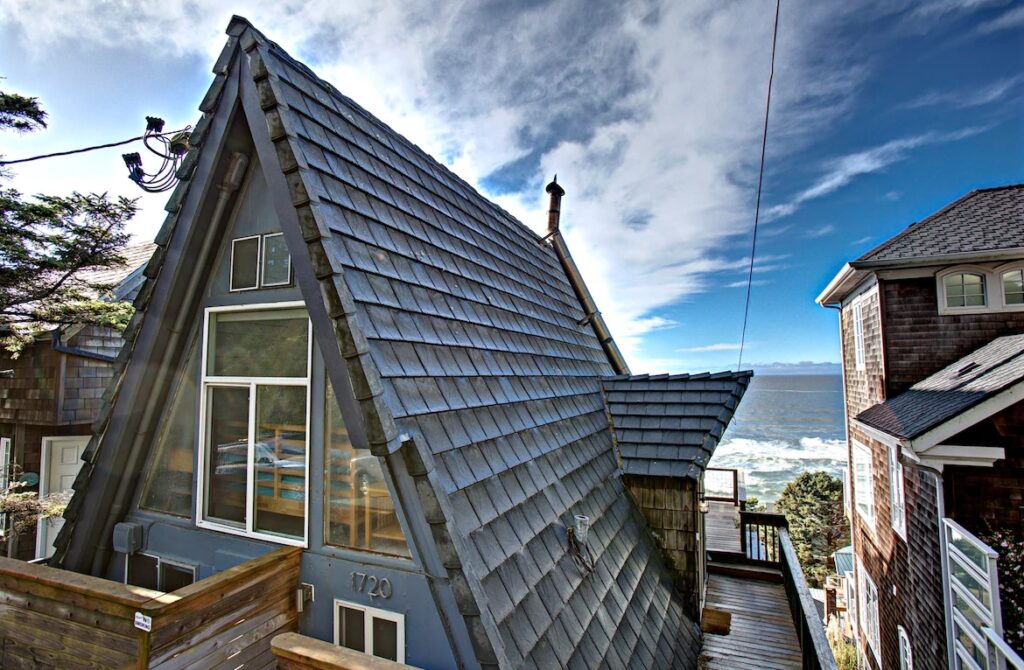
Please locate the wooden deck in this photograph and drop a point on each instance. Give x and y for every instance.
(722, 525)
(761, 636)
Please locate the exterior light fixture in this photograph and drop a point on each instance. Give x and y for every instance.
(170, 147)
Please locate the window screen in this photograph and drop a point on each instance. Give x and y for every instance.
(143, 570)
(277, 264)
(385, 638)
(174, 577)
(245, 263)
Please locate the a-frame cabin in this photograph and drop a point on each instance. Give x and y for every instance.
(342, 346)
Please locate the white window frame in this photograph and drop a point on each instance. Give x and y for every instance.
(5, 476)
(998, 281)
(868, 610)
(368, 614)
(864, 496)
(906, 652)
(206, 383)
(263, 263)
(259, 264)
(858, 335)
(986, 275)
(897, 494)
(847, 498)
(160, 563)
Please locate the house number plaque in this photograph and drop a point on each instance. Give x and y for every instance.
(371, 585)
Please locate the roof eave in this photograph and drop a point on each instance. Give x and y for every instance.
(941, 259)
(847, 279)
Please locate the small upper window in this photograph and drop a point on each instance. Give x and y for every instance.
(906, 655)
(897, 501)
(370, 630)
(245, 263)
(1013, 287)
(858, 335)
(260, 261)
(277, 264)
(863, 483)
(964, 289)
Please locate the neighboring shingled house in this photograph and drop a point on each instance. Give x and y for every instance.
(931, 324)
(443, 454)
(50, 396)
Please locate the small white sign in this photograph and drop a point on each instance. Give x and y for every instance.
(143, 622)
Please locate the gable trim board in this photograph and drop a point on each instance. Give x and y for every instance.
(488, 470)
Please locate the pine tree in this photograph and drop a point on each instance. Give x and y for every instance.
(813, 505)
(47, 246)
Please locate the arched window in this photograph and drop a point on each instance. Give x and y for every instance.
(964, 289)
(1013, 286)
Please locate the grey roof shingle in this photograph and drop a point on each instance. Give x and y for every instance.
(987, 219)
(669, 425)
(476, 335)
(950, 391)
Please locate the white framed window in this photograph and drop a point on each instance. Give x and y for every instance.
(259, 261)
(906, 655)
(276, 265)
(858, 334)
(868, 607)
(967, 289)
(245, 263)
(254, 413)
(370, 630)
(1011, 286)
(897, 499)
(5, 476)
(847, 504)
(863, 483)
(155, 572)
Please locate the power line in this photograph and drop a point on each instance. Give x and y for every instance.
(85, 149)
(760, 183)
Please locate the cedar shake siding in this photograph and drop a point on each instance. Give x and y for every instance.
(909, 582)
(919, 341)
(863, 388)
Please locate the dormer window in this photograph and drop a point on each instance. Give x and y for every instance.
(964, 289)
(1013, 287)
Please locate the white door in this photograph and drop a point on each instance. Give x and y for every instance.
(61, 460)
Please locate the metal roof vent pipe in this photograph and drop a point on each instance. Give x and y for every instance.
(592, 315)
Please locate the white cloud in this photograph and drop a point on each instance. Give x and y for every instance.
(1008, 20)
(841, 171)
(742, 283)
(820, 231)
(720, 346)
(983, 95)
(650, 112)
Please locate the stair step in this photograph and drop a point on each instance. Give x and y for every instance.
(746, 571)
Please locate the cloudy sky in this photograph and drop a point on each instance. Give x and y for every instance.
(650, 112)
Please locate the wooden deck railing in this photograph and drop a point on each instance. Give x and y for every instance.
(725, 485)
(298, 652)
(54, 618)
(814, 648)
(759, 536)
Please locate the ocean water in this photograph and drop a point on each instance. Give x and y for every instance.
(785, 425)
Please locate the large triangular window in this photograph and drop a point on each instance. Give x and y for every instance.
(359, 512)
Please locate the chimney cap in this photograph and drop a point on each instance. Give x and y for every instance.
(554, 189)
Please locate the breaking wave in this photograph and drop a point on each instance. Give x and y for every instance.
(771, 464)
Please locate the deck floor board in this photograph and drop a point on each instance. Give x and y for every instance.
(762, 633)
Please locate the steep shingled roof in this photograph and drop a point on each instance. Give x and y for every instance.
(988, 219)
(950, 391)
(670, 424)
(462, 336)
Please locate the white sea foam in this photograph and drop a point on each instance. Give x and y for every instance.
(770, 464)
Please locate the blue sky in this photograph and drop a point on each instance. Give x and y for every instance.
(650, 112)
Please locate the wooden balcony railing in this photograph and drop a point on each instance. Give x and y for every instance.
(817, 655)
(725, 485)
(759, 536)
(60, 619)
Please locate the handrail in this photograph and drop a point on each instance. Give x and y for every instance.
(1000, 652)
(814, 647)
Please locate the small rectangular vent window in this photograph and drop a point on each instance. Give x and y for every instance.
(370, 630)
(245, 263)
(277, 264)
(152, 572)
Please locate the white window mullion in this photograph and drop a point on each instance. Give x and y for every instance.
(250, 466)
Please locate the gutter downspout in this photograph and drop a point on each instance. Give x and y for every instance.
(75, 351)
(593, 315)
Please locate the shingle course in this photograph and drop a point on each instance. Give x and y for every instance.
(983, 220)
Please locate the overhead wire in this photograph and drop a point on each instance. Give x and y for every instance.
(760, 183)
(85, 149)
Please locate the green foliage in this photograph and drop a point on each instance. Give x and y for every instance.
(755, 505)
(51, 248)
(813, 505)
(23, 508)
(20, 113)
(1011, 584)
